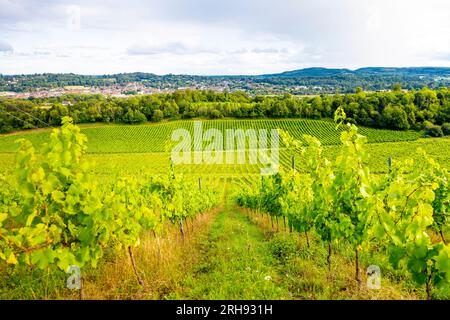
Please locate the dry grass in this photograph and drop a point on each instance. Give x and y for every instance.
(162, 261)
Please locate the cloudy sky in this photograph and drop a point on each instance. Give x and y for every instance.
(220, 37)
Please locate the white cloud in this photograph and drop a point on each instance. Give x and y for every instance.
(5, 47)
(169, 48)
(212, 37)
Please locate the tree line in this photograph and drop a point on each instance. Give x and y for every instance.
(304, 81)
(397, 109)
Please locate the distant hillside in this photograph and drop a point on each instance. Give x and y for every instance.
(302, 81)
(431, 71)
(325, 72)
(312, 72)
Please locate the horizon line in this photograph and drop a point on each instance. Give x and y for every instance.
(219, 75)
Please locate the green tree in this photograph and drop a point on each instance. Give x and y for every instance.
(395, 117)
(158, 115)
(397, 87)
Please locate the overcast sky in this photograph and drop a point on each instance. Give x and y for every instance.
(220, 37)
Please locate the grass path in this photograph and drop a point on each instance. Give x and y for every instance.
(236, 262)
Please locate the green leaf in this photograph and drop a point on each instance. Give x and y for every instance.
(58, 196)
(43, 258)
(3, 217)
(443, 261)
(11, 259)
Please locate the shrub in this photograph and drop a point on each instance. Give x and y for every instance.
(283, 247)
(158, 115)
(215, 114)
(434, 131)
(446, 128)
(134, 117)
(188, 115)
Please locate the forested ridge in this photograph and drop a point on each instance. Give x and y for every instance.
(397, 109)
(308, 80)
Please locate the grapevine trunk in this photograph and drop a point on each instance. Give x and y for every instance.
(133, 262)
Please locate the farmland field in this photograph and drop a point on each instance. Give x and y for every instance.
(141, 148)
(225, 156)
(153, 137)
(211, 271)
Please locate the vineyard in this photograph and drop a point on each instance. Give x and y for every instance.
(340, 200)
(154, 137)
(109, 200)
(142, 148)
(59, 216)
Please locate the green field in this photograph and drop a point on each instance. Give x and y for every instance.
(229, 253)
(141, 149)
(153, 137)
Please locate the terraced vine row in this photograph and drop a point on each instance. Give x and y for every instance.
(142, 149)
(154, 137)
(340, 200)
(57, 214)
